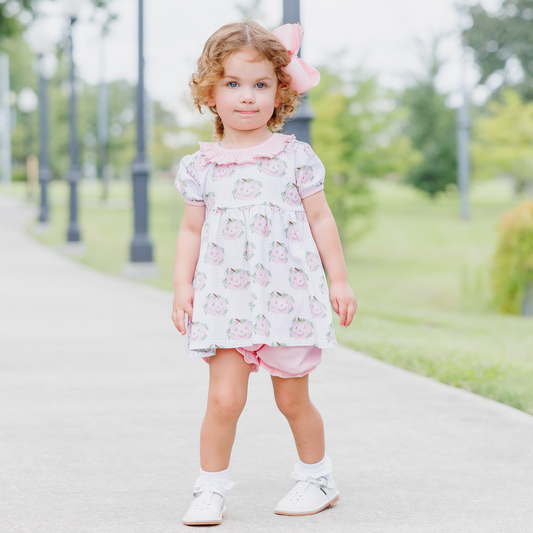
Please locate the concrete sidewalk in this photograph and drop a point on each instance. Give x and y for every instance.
(101, 412)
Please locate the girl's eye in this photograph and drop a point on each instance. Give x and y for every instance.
(261, 85)
(232, 84)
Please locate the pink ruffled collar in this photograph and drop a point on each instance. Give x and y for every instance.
(270, 148)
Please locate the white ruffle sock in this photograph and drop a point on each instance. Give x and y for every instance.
(220, 479)
(303, 471)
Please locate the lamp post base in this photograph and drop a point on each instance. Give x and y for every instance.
(141, 270)
(74, 249)
(41, 228)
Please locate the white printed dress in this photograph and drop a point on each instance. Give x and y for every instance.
(259, 278)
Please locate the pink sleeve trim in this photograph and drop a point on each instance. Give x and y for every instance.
(311, 191)
(193, 202)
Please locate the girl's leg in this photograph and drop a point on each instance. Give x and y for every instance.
(292, 399)
(228, 388)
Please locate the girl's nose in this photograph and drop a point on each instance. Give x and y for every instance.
(247, 96)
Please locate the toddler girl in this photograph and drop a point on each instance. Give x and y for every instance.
(255, 238)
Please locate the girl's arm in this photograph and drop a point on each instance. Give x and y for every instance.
(326, 235)
(187, 252)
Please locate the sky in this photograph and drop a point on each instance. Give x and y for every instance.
(383, 37)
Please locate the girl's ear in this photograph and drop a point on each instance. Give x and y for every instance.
(211, 102)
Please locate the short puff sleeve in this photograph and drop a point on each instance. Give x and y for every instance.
(188, 183)
(310, 171)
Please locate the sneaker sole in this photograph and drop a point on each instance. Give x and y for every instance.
(329, 504)
(206, 522)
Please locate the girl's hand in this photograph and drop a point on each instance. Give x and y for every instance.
(343, 301)
(183, 303)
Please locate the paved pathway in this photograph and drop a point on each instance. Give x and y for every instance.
(100, 413)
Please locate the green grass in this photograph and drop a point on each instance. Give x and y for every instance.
(421, 276)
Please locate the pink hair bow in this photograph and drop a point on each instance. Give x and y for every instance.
(303, 76)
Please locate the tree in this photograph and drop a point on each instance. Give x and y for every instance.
(356, 133)
(432, 130)
(503, 36)
(502, 141)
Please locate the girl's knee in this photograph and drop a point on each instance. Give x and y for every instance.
(226, 402)
(292, 403)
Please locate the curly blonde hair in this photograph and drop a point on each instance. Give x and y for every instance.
(233, 38)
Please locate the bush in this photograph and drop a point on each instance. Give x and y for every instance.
(513, 263)
(18, 173)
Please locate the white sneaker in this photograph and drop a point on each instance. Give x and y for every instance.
(206, 508)
(309, 497)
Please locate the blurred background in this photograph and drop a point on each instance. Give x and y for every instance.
(423, 118)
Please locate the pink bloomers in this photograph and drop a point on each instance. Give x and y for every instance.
(281, 361)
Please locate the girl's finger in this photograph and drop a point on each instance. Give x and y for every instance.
(343, 312)
(181, 321)
(351, 313)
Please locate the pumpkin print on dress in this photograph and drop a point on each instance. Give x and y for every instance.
(301, 328)
(234, 229)
(298, 278)
(247, 189)
(281, 304)
(262, 326)
(272, 167)
(199, 281)
(223, 171)
(239, 329)
(216, 305)
(198, 331)
(278, 252)
(236, 280)
(261, 275)
(318, 309)
(261, 225)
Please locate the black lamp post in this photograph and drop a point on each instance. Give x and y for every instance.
(73, 233)
(72, 8)
(299, 125)
(44, 170)
(141, 250)
(47, 68)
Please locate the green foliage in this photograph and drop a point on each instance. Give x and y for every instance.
(355, 133)
(18, 174)
(502, 140)
(513, 262)
(498, 36)
(11, 14)
(162, 155)
(432, 129)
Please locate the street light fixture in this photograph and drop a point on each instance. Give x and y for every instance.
(72, 8)
(27, 103)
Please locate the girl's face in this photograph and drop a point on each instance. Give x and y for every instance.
(245, 97)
